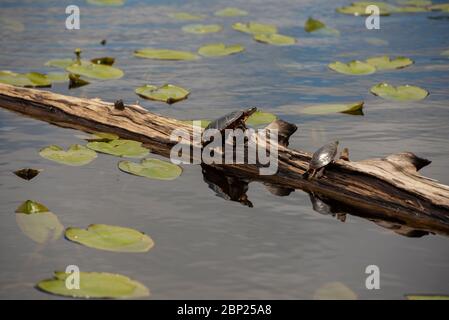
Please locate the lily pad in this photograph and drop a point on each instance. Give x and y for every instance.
(40, 227)
(358, 8)
(416, 3)
(386, 63)
(275, 39)
(120, 148)
(27, 173)
(103, 136)
(426, 297)
(39, 79)
(76, 155)
(75, 81)
(167, 93)
(32, 79)
(334, 291)
(231, 12)
(352, 68)
(60, 63)
(106, 2)
(108, 61)
(220, 49)
(95, 285)
(110, 238)
(354, 109)
(185, 16)
(30, 206)
(165, 54)
(95, 71)
(152, 169)
(399, 93)
(55, 77)
(259, 118)
(255, 28)
(440, 7)
(202, 28)
(313, 25)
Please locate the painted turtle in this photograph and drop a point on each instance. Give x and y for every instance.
(321, 158)
(232, 120)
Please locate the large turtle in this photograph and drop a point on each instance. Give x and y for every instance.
(232, 120)
(320, 159)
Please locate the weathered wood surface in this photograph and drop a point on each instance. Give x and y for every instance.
(390, 187)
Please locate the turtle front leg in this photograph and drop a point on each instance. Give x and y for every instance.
(320, 173)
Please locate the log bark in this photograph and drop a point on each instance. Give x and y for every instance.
(384, 188)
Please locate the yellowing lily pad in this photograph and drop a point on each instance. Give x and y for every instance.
(275, 39)
(103, 136)
(30, 206)
(259, 118)
(165, 54)
(314, 25)
(106, 2)
(354, 109)
(152, 169)
(39, 79)
(386, 63)
(219, 49)
(76, 155)
(426, 297)
(32, 79)
(231, 12)
(27, 173)
(255, 28)
(202, 28)
(334, 291)
(399, 93)
(94, 285)
(167, 93)
(120, 148)
(359, 8)
(110, 238)
(185, 16)
(352, 68)
(41, 227)
(95, 71)
(416, 3)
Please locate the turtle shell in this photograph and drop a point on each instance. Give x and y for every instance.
(324, 155)
(227, 120)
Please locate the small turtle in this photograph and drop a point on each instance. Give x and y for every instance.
(320, 159)
(119, 105)
(232, 120)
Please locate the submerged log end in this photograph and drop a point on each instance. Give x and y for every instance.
(285, 130)
(408, 161)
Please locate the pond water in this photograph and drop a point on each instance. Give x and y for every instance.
(206, 247)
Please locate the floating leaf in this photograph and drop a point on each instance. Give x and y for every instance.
(440, 7)
(75, 81)
(352, 68)
(255, 28)
(416, 3)
(426, 297)
(259, 118)
(27, 173)
(359, 8)
(55, 77)
(40, 227)
(152, 169)
(120, 148)
(108, 61)
(219, 49)
(95, 71)
(386, 63)
(95, 285)
(185, 16)
(167, 93)
(110, 238)
(354, 109)
(64, 63)
(15, 79)
(103, 136)
(231, 12)
(30, 206)
(76, 155)
(165, 54)
(39, 79)
(313, 25)
(400, 93)
(411, 9)
(202, 28)
(106, 2)
(334, 291)
(275, 39)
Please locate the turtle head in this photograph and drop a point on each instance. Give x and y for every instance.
(250, 111)
(336, 143)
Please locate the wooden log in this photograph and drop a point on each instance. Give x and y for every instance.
(387, 188)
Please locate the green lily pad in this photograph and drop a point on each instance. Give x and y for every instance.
(152, 169)
(231, 12)
(386, 63)
(106, 2)
(259, 118)
(334, 291)
(202, 28)
(399, 93)
(39, 79)
(352, 68)
(416, 3)
(354, 109)
(108, 61)
(76, 155)
(165, 54)
(255, 28)
(95, 71)
(220, 49)
(110, 238)
(185, 16)
(411, 9)
(167, 93)
(60, 63)
(27, 173)
(95, 285)
(75, 81)
(15, 79)
(313, 25)
(40, 227)
(358, 8)
(426, 297)
(275, 39)
(439, 7)
(103, 136)
(55, 77)
(30, 206)
(120, 148)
